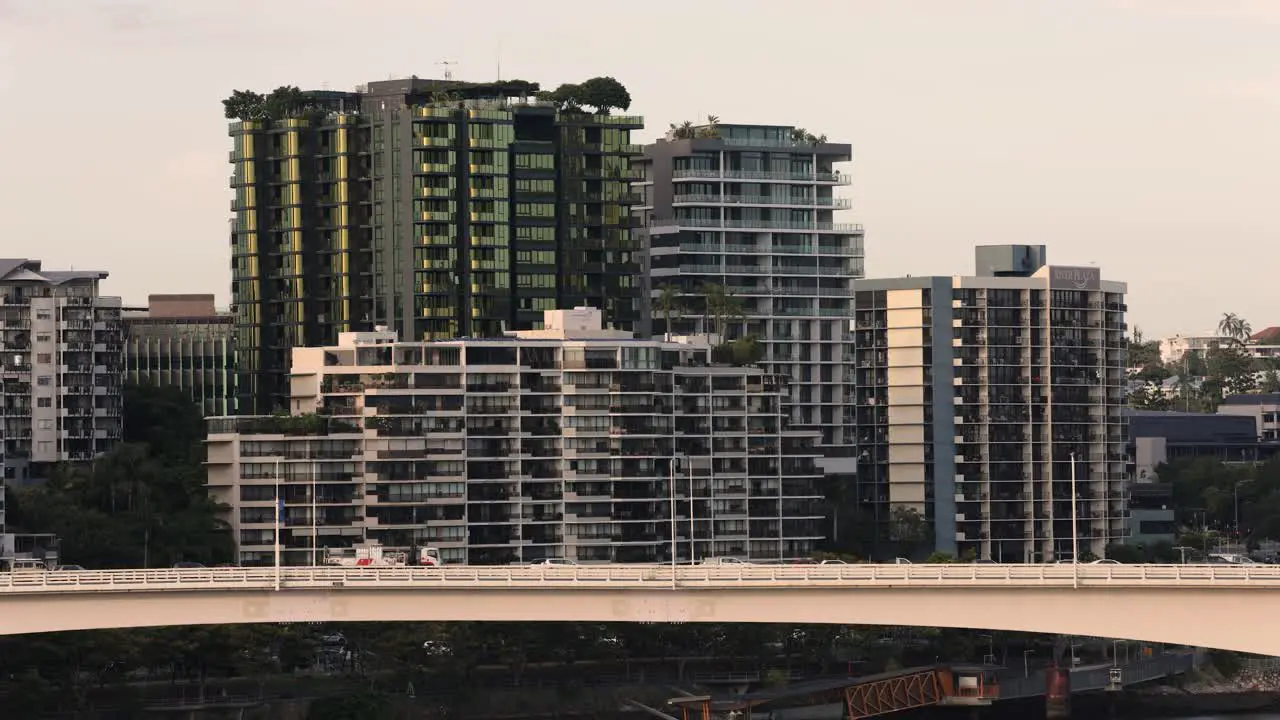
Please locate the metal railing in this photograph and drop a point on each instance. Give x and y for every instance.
(695, 577)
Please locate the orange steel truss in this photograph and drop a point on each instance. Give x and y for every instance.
(896, 694)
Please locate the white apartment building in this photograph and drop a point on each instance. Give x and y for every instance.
(973, 394)
(751, 209)
(571, 441)
(60, 368)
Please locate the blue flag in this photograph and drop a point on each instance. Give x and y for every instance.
(281, 516)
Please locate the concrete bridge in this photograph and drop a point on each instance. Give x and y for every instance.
(1217, 606)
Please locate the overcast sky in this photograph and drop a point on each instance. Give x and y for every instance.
(1139, 135)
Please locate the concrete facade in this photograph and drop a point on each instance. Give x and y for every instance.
(570, 441)
(1171, 611)
(751, 209)
(972, 393)
(60, 361)
(1262, 408)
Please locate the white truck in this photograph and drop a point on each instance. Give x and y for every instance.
(371, 554)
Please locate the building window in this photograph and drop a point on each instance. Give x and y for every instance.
(44, 315)
(44, 380)
(44, 358)
(45, 424)
(44, 402)
(44, 337)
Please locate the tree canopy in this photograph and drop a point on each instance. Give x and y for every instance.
(602, 93)
(144, 503)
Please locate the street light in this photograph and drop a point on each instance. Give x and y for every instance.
(1236, 491)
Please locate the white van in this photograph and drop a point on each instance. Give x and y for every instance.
(27, 565)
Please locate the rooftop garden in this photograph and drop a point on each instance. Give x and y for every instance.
(600, 95)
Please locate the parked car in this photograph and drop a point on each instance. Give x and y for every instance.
(70, 568)
(900, 561)
(187, 566)
(554, 561)
(1105, 561)
(833, 562)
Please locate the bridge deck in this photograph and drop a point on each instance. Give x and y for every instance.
(648, 577)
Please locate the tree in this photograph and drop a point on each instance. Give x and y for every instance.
(144, 503)
(668, 304)
(720, 306)
(683, 131)
(567, 97)
(1149, 396)
(908, 530)
(1235, 328)
(800, 135)
(710, 130)
(604, 94)
(244, 105)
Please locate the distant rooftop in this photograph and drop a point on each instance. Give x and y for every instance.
(26, 270)
(1252, 399)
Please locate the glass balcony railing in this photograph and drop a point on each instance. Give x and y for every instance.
(734, 223)
(726, 199)
(836, 178)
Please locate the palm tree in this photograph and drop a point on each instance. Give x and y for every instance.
(721, 306)
(1235, 328)
(683, 131)
(669, 303)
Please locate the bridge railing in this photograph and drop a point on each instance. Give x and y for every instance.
(651, 576)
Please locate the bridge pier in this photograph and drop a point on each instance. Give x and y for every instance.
(1057, 693)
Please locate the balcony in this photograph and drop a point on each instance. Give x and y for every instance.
(833, 178)
(739, 223)
(724, 199)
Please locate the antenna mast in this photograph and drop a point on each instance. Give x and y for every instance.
(448, 74)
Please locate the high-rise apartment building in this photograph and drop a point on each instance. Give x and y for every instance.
(438, 208)
(182, 341)
(748, 212)
(975, 394)
(60, 362)
(570, 441)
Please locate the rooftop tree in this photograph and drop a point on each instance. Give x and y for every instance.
(604, 94)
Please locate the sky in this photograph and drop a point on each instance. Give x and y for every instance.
(1142, 136)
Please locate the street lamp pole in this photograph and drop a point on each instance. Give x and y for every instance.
(1075, 531)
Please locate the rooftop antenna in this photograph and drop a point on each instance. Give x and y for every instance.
(448, 74)
(498, 59)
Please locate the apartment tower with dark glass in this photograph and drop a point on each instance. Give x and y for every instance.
(436, 208)
(741, 230)
(976, 394)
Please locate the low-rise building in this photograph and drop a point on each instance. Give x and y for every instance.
(571, 441)
(182, 341)
(1262, 408)
(1156, 438)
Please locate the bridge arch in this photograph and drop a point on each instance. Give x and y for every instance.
(1223, 618)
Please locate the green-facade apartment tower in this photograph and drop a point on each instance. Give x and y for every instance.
(436, 208)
